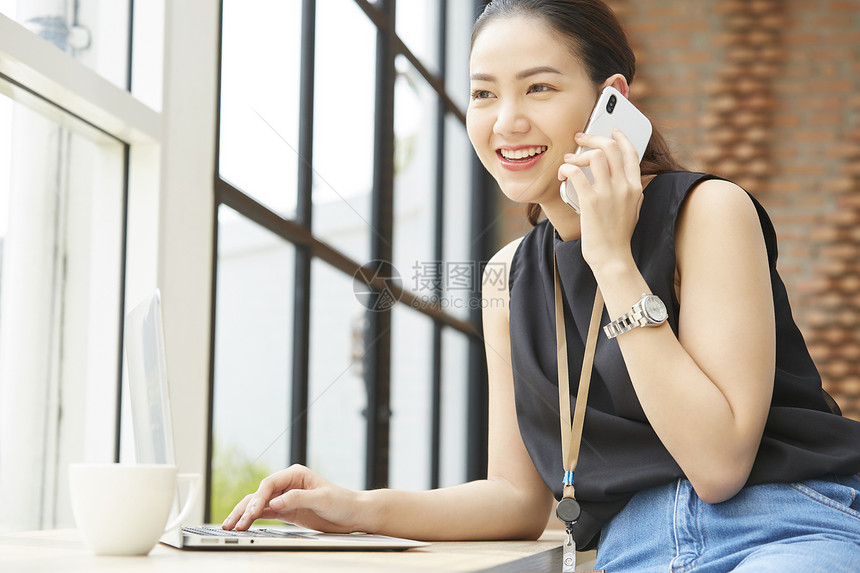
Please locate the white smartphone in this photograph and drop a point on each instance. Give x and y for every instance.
(612, 110)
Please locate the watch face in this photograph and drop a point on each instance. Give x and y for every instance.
(654, 309)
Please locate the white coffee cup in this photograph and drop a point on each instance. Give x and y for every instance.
(122, 509)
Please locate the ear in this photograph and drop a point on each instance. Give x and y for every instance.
(619, 82)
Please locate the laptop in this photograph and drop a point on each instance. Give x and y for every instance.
(153, 439)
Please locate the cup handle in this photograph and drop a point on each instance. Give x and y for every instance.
(193, 485)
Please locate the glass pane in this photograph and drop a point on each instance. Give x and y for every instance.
(455, 374)
(411, 399)
(260, 100)
(337, 399)
(96, 32)
(253, 359)
(458, 238)
(415, 121)
(459, 20)
(61, 232)
(418, 27)
(345, 88)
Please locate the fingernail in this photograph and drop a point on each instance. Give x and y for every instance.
(276, 503)
(578, 134)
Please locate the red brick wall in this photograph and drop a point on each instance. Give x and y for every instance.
(767, 93)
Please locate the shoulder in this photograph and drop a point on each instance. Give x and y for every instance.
(721, 214)
(720, 193)
(506, 253)
(495, 279)
(718, 204)
(498, 269)
(668, 194)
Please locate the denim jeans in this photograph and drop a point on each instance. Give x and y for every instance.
(809, 526)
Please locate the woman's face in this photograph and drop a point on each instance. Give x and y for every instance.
(530, 95)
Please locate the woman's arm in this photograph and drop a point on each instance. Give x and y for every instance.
(707, 392)
(712, 413)
(512, 503)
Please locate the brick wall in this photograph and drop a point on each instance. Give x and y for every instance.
(767, 93)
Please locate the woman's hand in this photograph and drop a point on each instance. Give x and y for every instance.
(298, 495)
(610, 206)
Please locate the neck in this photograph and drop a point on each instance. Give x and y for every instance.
(563, 219)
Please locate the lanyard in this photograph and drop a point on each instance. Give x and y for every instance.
(571, 432)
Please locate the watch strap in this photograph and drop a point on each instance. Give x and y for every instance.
(633, 318)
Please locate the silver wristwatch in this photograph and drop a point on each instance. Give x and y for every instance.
(649, 311)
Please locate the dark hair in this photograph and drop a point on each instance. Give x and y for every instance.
(596, 37)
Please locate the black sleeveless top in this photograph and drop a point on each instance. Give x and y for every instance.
(804, 436)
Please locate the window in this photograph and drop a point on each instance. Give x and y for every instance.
(108, 145)
(95, 33)
(90, 222)
(62, 236)
(343, 148)
(253, 356)
(60, 307)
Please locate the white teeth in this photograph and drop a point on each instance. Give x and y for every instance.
(521, 153)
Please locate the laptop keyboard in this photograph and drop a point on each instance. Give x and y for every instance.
(218, 532)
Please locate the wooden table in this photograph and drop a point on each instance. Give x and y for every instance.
(64, 551)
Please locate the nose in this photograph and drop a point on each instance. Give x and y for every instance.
(511, 118)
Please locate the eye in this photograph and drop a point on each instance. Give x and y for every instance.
(539, 88)
(481, 94)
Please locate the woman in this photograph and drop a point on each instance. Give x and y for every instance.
(708, 442)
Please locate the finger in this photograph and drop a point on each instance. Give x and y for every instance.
(253, 508)
(576, 176)
(599, 165)
(631, 157)
(305, 507)
(297, 499)
(273, 485)
(295, 476)
(610, 148)
(570, 172)
(570, 159)
(583, 139)
(237, 512)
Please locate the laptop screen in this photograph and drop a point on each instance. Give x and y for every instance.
(147, 380)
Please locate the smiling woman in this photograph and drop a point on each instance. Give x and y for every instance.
(603, 58)
(522, 117)
(537, 67)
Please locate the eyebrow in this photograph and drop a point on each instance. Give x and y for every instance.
(520, 76)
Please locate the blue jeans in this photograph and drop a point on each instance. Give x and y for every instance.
(808, 526)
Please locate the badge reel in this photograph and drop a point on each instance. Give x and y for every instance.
(568, 511)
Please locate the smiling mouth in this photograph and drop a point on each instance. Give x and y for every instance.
(524, 154)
